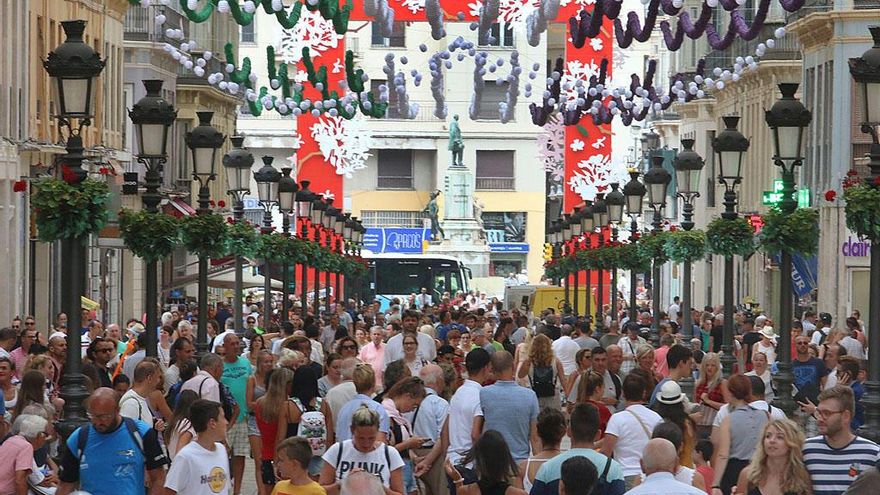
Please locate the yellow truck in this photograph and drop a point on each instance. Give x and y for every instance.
(536, 298)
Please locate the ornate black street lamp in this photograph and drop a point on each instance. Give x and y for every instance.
(319, 210)
(634, 192)
(788, 118)
(575, 228)
(657, 180)
(865, 70)
(74, 67)
(239, 163)
(688, 164)
(287, 189)
(600, 220)
(305, 200)
(615, 202)
(267, 178)
(587, 227)
(729, 145)
(329, 225)
(204, 141)
(152, 117)
(338, 246)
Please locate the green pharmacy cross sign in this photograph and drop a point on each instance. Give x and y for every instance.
(774, 198)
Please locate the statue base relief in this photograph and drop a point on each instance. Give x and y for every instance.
(465, 241)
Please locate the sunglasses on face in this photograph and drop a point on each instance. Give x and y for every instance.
(349, 347)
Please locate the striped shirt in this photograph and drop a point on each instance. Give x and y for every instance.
(833, 470)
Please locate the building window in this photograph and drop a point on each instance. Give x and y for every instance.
(397, 39)
(507, 226)
(399, 219)
(501, 34)
(395, 169)
(493, 94)
(183, 175)
(248, 33)
(495, 170)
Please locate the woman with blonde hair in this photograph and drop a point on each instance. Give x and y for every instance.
(708, 391)
(777, 467)
(544, 371)
(645, 361)
(521, 354)
(268, 414)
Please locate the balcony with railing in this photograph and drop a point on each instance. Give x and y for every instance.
(813, 6)
(786, 48)
(495, 183)
(395, 183)
(140, 24)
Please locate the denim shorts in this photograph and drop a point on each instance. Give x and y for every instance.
(409, 480)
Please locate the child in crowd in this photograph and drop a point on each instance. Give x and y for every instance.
(702, 458)
(292, 457)
(121, 384)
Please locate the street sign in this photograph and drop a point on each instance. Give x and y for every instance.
(774, 197)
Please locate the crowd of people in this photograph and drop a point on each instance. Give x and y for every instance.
(434, 399)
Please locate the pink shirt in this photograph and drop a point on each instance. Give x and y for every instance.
(375, 356)
(16, 454)
(19, 357)
(660, 365)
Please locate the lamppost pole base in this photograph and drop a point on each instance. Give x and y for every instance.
(202, 328)
(728, 360)
(152, 289)
(73, 387)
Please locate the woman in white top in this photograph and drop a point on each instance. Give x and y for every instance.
(762, 370)
(551, 428)
(363, 452)
(411, 355)
(179, 431)
(766, 345)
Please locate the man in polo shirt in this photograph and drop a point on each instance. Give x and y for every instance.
(583, 427)
(837, 457)
(510, 409)
(427, 422)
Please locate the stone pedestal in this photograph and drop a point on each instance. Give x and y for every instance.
(465, 238)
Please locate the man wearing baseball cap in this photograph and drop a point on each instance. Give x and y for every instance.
(822, 329)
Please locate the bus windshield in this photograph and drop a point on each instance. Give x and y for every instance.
(404, 277)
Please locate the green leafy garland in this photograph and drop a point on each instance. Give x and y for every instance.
(630, 258)
(150, 236)
(685, 245)
(797, 233)
(730, 237)
(651, 246)
(601, 258)
(242, 239)
(862, 207)
(274, 247)
(204, 235)
(66, 211)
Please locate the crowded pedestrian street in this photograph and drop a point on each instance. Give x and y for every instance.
(440, 247)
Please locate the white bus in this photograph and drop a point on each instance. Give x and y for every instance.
(399, 275)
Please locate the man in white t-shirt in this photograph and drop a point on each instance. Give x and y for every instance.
(201, 467)
(133, 404)
(629, 430)
(566, 349)
(394, 347)
(465, 413)
(674, 309)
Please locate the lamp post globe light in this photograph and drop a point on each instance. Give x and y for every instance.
(615, 202)
(73, 67)
(729, 146)
(267, 178)
(238, 162)
(339, 247)
(634, 192)
(865, 70)
(657, 181)
(688, 164)
(600, 220)
(305, 201)
(204, 141)
(152, 117)
(788, 118)
(287, 189)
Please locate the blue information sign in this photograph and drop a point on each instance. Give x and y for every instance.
(396, 240)
(509, 247)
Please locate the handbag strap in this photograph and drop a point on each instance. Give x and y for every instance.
(641, 423)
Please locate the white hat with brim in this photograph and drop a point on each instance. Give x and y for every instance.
(670, 393)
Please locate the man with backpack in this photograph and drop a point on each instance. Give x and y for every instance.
(510, 409)
(130, 447)
(583, 427)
